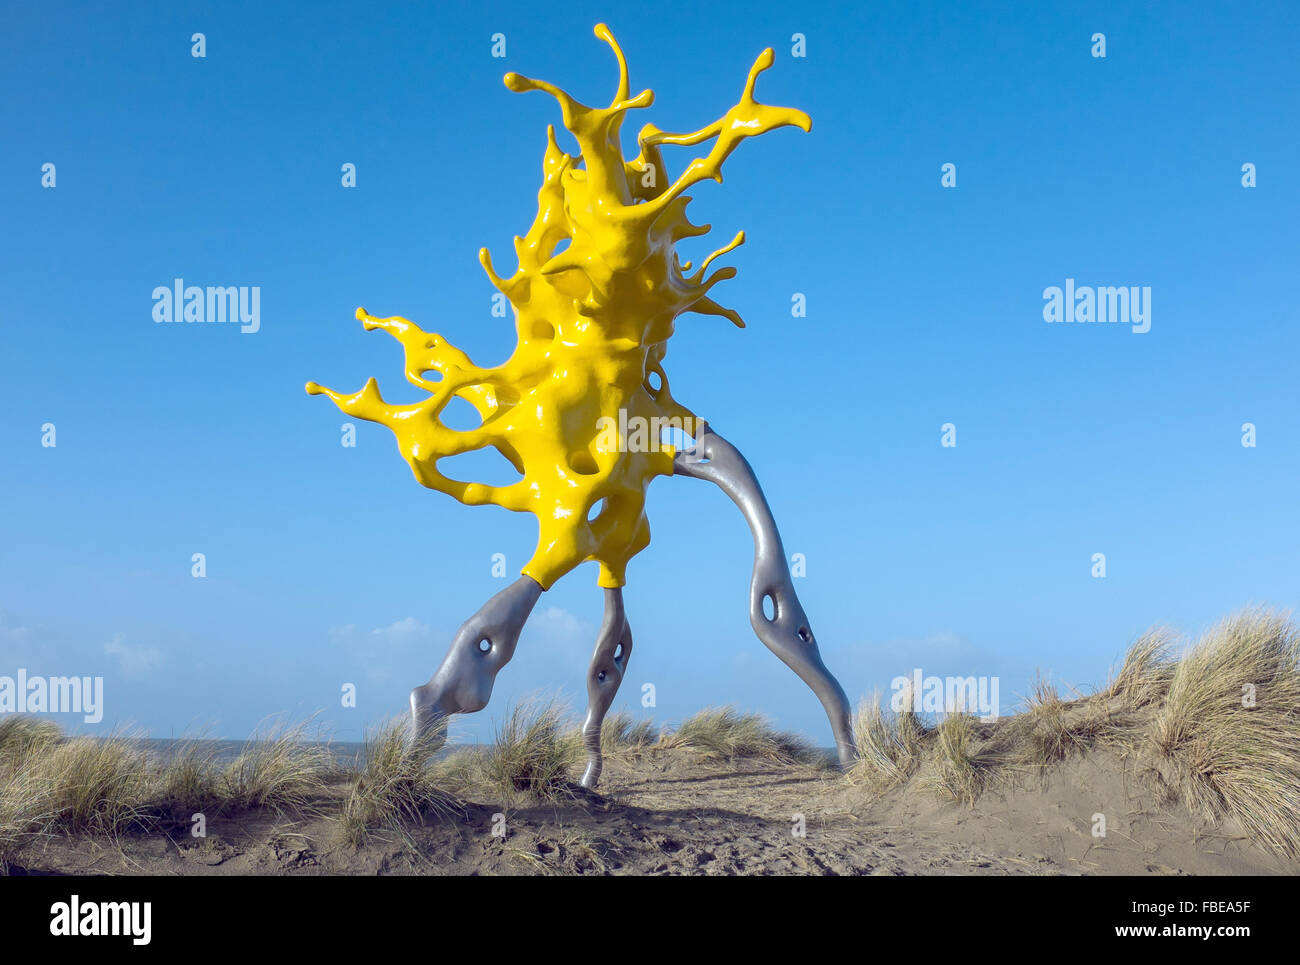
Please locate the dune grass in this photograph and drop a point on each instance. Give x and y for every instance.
(21, 736)
(1148, 667)
(1052, 729)
(724, 732)
(80, 785)
(279, 768)
(94, 785)
(395, 786)
(532, 757)
(24, 814)
(534, 752)
(1227, 735)
(190, 779)
(1213, 727)
(953, 768)
(623, 732)
(56, 785)
(23, 818)
(889, 745)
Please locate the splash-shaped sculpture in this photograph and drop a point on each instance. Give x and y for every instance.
(580, 408)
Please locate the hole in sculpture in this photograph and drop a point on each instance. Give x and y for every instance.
(654, 381)
(618, 652)
(682, 441)
(459, 414)
(769, 607)
(484, 645)
(601, 676)
(597, 508)
(805, 635)
(584, 463)
(487, 466)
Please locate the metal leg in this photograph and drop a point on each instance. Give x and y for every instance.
(481, 647)
(787, 633)
(608, 665)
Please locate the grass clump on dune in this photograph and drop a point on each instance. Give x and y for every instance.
(24, 815)
(534, 752)
(953, 766)
(1227, 736)
(23, 818)
(888, 744)
(726, 733)
(190, 779)
(1215, 729)
(1148, 667)
(278, 769)
(1052, 729)
(80, 785)
(21, 736)
(395, 785)
(624, 732)
(94, 785)
(52, 784)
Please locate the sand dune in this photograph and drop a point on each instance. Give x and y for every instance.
(1188, 762)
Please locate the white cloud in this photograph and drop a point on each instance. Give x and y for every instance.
(561, 625)
(382, 649)
(134, 661)
(402, 631)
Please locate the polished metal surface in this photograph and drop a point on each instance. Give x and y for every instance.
(608, 665)
(787, 633)
(486, 642)
(482, 646)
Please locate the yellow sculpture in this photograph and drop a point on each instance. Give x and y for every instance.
(593, 321)
(580, 407)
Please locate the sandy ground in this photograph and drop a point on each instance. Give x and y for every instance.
(663, 812)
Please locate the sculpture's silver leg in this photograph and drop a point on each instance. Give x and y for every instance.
(481, 647)
(787, 634)
(608, 665)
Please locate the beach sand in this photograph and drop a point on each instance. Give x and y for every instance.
(667, 811)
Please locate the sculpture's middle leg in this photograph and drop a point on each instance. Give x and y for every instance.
(787, 632)
(608, 665)
(482, 646)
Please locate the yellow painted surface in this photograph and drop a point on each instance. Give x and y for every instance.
(593, 323)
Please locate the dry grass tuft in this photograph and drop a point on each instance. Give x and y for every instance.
(953, 768)
(725, 733)
(889, 745)
(279, 768)
(535, 749)
(395, 785)
(1052, 729)
(50, 784)
(94, 785)
(622, 731)
(1148, 667)
(190, 779)
(22, 736)
(1227, 737)
(23, 802)
(1217, 729)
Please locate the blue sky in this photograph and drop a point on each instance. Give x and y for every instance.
(328, 565)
